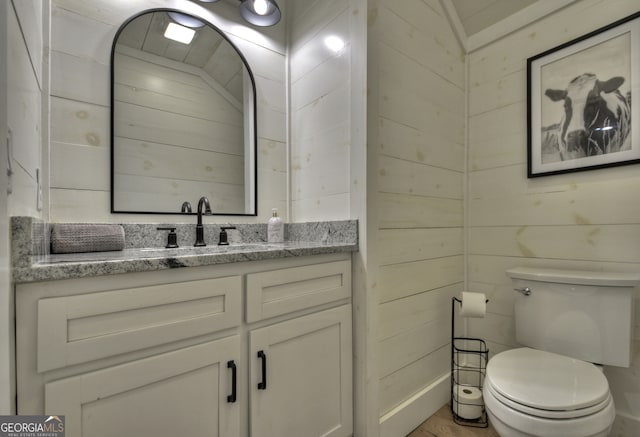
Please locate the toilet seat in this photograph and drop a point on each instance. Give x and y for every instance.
(510, 422)
(546, 385)
(548, 414)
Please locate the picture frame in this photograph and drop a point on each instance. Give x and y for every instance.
(580, 110)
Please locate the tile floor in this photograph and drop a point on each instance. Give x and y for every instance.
(441, 424)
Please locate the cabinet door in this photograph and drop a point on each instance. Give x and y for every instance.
(301, 376)
(180, 393)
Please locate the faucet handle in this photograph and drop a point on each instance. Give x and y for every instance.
(172, 238)
(222, 239)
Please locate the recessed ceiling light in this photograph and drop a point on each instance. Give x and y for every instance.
(179, 33)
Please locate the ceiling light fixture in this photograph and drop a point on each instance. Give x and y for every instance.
(261, 13)
(261, 7)
(186, 20)
(179, 33)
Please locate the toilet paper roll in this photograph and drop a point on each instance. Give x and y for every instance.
(473, 304)
(467, 401)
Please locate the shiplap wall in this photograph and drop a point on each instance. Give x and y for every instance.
(82, 34)
(24, 82)
(26, 75)
(420, 125)
(320, 111)
(587, 221)
(168, 110)
(7, 379)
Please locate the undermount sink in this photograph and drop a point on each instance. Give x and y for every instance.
(210, 248)
(163, 249)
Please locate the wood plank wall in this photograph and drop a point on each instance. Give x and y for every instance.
(588, 220)
(23, 95)
(26, 97)
(420, 152)
(82, 34)
(320, 117)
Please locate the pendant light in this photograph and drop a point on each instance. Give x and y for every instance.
(261, 13)
(186, 20)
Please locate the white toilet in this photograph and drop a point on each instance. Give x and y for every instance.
(568, 320)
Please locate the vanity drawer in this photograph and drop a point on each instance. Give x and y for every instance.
(85, 327)
(277, 292)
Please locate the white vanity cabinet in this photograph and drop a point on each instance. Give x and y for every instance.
(175, 352)
(301, 380)
(187, 392)
(301, 371)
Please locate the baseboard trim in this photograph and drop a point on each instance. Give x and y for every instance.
(411, 413)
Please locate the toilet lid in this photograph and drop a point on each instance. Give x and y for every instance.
(546, 381)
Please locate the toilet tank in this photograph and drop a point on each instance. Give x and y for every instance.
(584, 315)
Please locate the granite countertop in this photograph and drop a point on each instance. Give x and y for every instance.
(32, 261)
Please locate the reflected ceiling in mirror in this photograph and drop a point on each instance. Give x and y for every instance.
(183, 119)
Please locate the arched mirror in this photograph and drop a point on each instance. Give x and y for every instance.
(183, 118)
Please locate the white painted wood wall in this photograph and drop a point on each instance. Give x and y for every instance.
(23, 102)
(6, 296)
(320, 110)
(588, 220)
(80, 106)
(26, 98)
(416, 132)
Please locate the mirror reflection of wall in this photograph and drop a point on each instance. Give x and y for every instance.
(183, 118)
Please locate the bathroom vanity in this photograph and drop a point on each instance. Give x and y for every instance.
(260, 347)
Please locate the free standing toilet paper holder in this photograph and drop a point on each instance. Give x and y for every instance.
(469, 357)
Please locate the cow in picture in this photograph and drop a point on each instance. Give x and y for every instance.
(596, 118)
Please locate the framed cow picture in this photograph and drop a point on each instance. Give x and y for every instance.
(581, 114)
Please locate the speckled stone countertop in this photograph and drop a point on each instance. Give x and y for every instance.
(144, 248)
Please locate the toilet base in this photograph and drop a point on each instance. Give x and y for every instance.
(504, 430)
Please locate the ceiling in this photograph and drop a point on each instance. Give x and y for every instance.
(208, 51)
(477, 15)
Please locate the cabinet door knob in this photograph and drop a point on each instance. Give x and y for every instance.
(263, 384)
(234, 379)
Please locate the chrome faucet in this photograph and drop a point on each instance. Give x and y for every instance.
(199, 229)
(186, 207)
